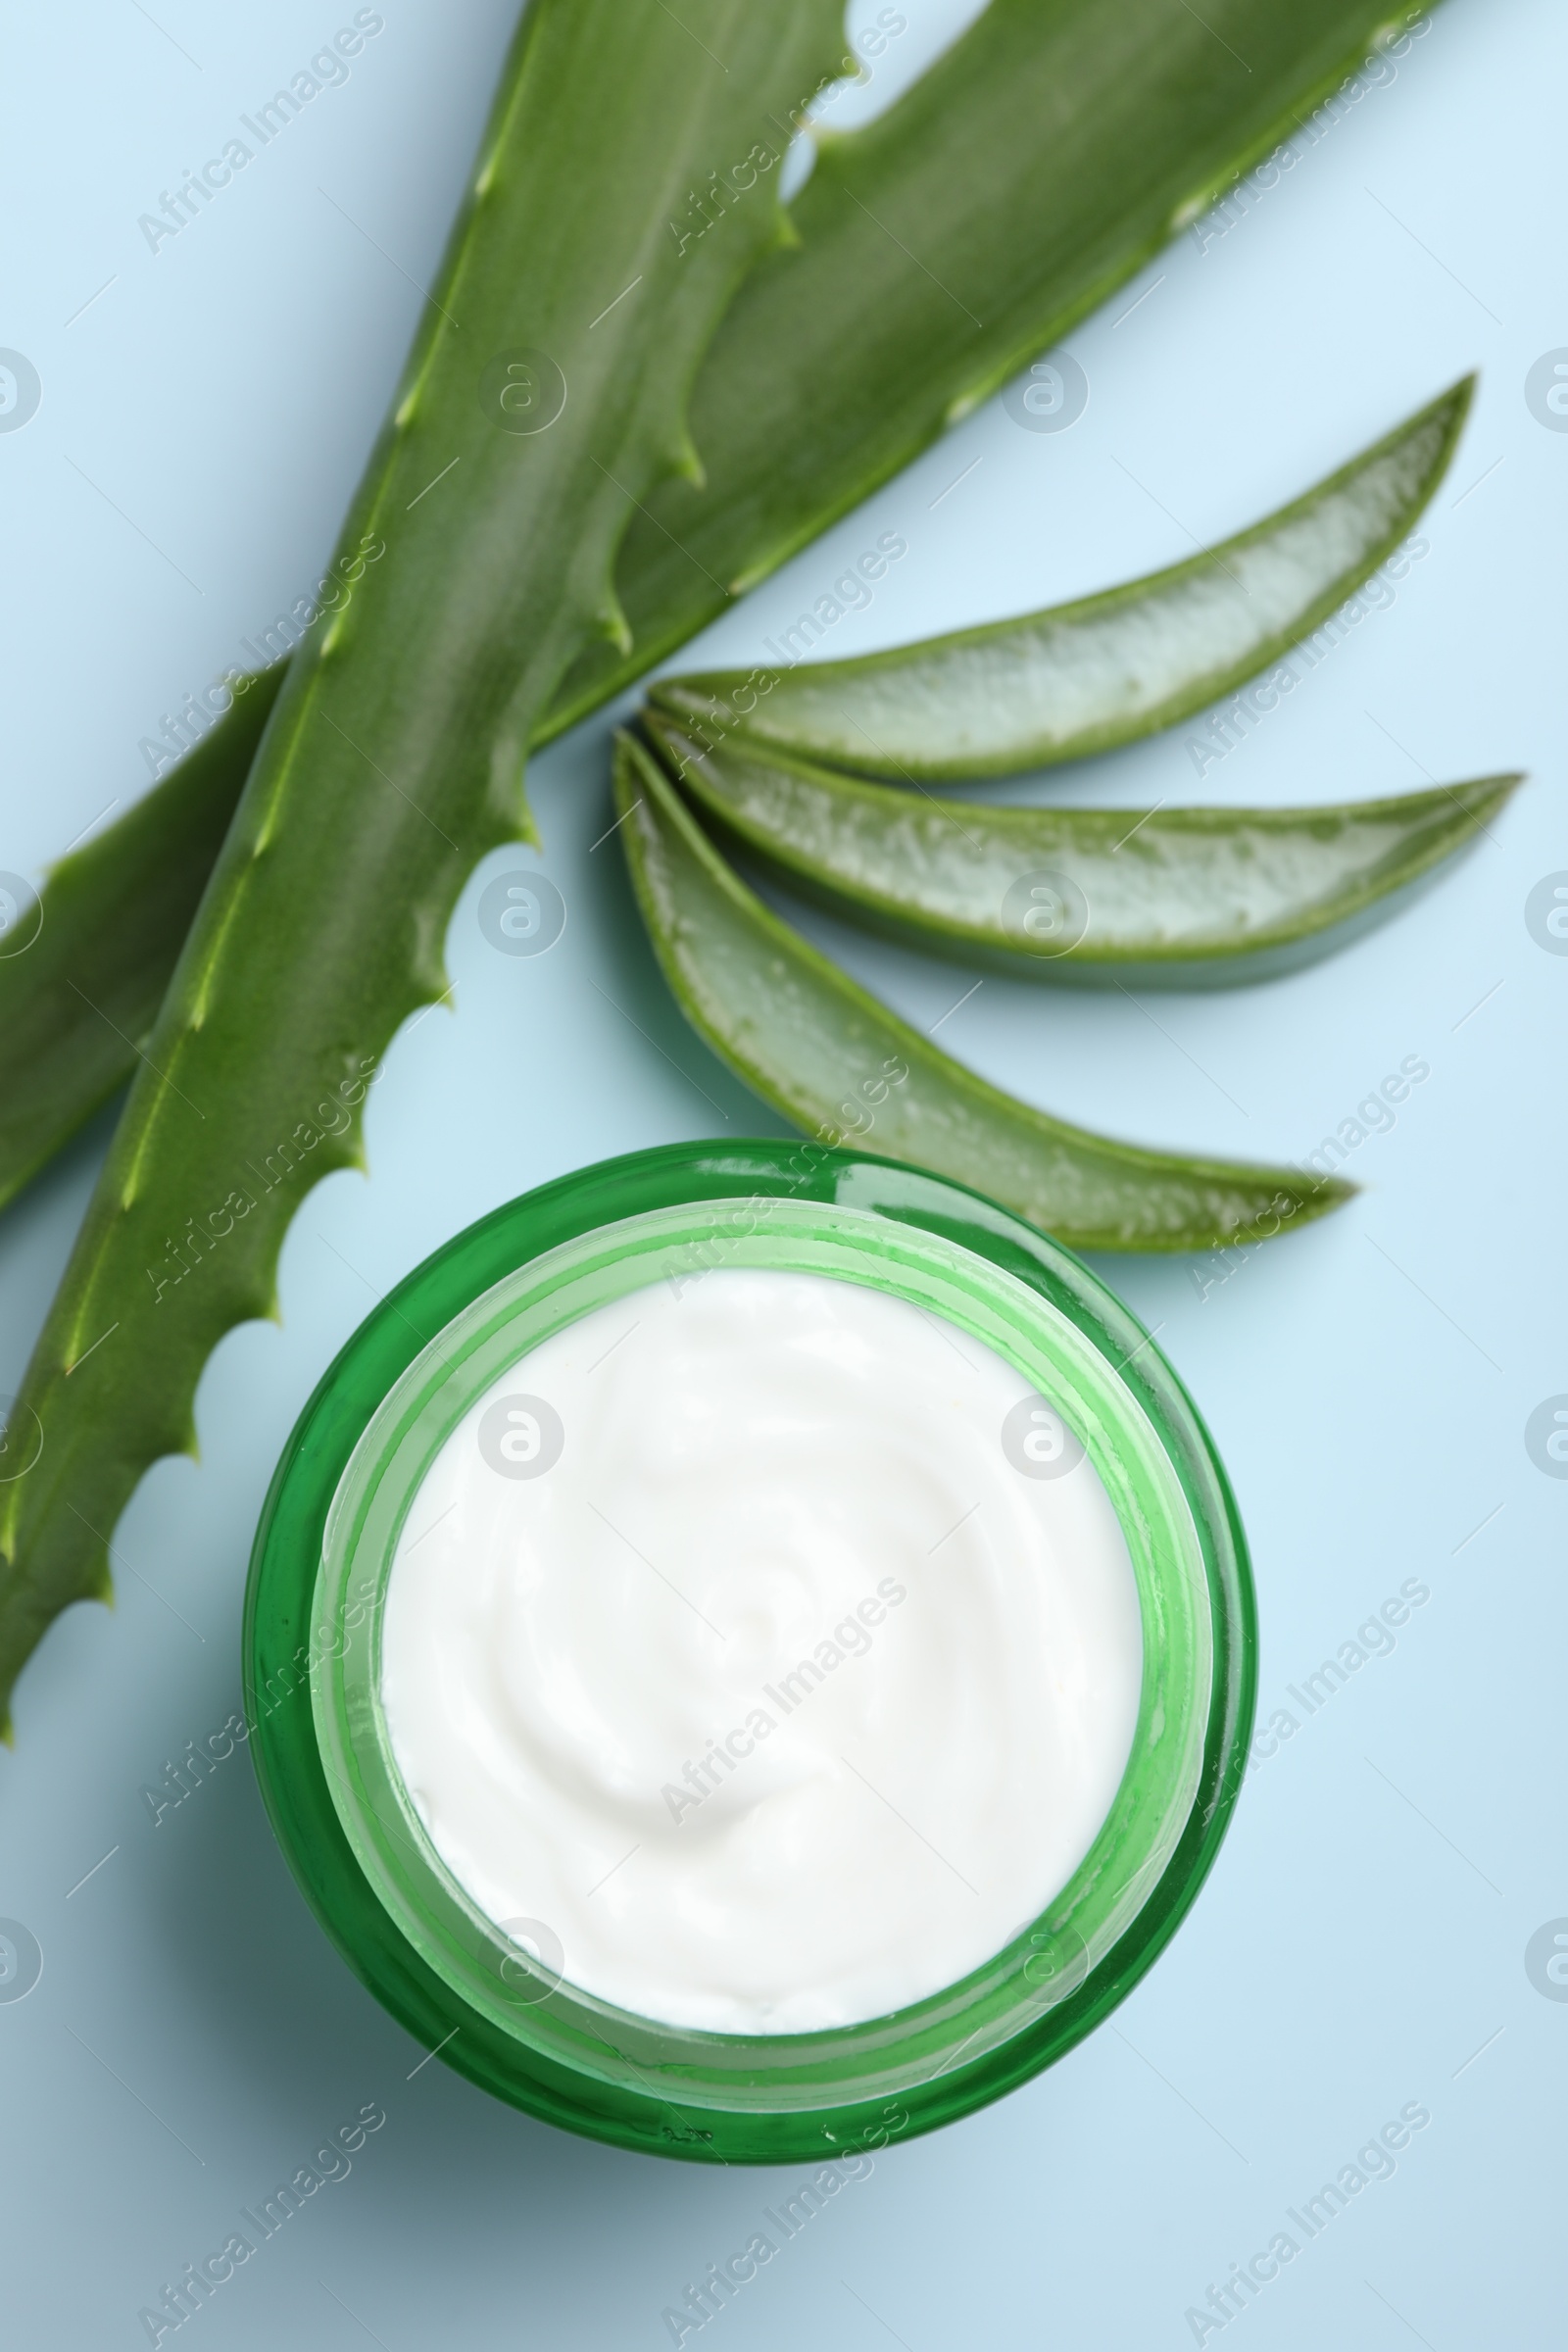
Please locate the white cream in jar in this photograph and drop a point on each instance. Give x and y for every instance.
(762, 1652)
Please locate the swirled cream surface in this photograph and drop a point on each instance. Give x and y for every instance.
(762, 1652)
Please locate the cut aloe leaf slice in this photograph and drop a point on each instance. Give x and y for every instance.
(1175, 898)
(1087, 676)
(838, 1064)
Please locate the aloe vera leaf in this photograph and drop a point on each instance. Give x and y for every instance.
(1182, 897)
(827, 1055)
(79, 996)
(1083, 677)
(1049, 154)
(392, 760)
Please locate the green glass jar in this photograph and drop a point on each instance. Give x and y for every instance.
(324, 1549)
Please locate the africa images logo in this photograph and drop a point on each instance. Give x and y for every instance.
(21, 391)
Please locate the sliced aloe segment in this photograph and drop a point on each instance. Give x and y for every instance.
(839, 1064)
(84, 965)
(1085, 677)
(1179, 897)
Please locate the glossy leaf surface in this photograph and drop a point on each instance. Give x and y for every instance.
(1176, 898)
(1104, 671)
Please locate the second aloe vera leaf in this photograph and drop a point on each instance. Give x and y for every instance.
(1085, 677)
(1048, 155)
(80, 992)
(1180, 897)
(819, 1048)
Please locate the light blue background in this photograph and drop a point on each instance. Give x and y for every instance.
(193, 2037)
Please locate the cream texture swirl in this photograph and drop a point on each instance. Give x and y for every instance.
(741, 1658)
